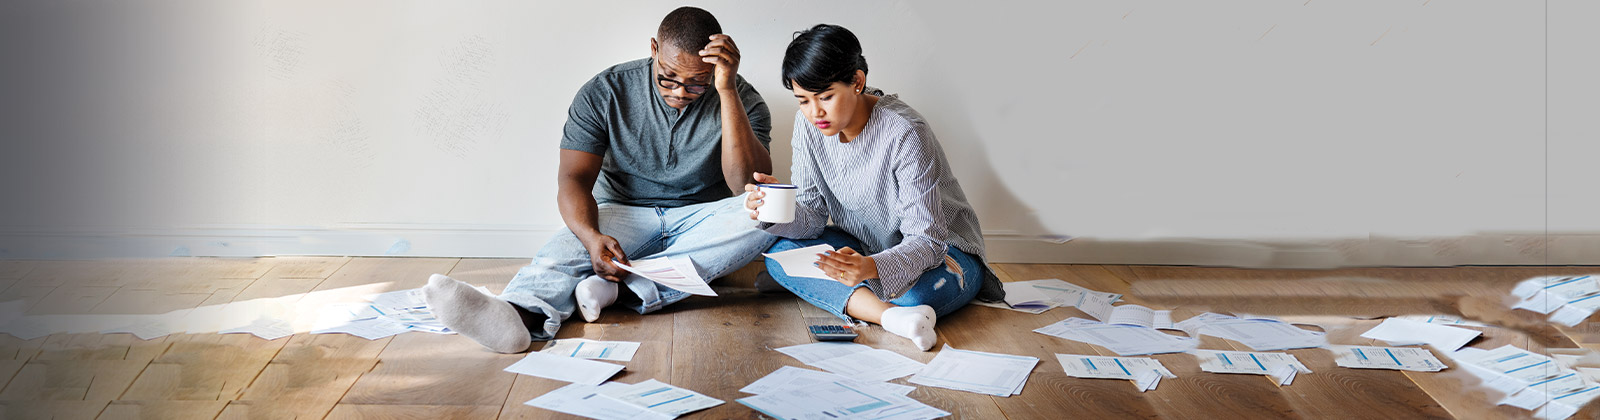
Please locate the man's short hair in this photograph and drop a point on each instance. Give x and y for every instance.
(688, 28)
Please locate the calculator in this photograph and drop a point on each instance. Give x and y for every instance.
(833, 332)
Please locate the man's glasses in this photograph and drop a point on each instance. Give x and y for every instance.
(670, 84)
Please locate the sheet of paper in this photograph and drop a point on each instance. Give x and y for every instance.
(838, 401)
(1068, 294)
(371, 329)
(790, 377)
(620, 351)
(562, 368)
(677, 273)
(1096, 306)
(1132, 315)
(1443, 320)
(996, 374)
(585, 400)
(661, 397)
(1147, 381)
(266, 328)
(1541, 302)
(875, 365)
(1256, 363)
(1525, 366)
(1400, 358)
(1026, 296)
(1264, 335)
(1442, 337)
(1163, 320)
(802, 262)
(1571, 315)
(1539, 393)
(819, 351)
(1124, 340)
(1143, 371)
(1026, 309)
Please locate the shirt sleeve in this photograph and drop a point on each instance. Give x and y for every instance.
(585, 130)
(811, 208)
(922, 247)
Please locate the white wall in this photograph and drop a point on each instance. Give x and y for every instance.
(1150, 130)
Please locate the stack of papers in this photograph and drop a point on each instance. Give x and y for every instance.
(677, 273)
(1037, 296)
(1125, 340)
(620, 351)
(1145, 372)
(1403, 332)
(650, 400)
(1531, 380)
(854, 361)
(836, 399)
(1281, 367)
(1399, 358)
(1257, 333)
(1000, 375)
(1571, 298)
(562, 368)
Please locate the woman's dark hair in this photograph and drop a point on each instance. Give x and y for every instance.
(820, 56)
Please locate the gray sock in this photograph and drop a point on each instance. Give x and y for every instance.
(492, 322)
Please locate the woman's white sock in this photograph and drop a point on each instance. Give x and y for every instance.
(593, 294)
(914, 322)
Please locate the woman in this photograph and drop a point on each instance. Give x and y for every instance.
(908, 244)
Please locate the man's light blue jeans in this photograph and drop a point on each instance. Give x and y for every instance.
(718, 236)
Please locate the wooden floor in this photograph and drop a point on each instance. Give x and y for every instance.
(716, 345)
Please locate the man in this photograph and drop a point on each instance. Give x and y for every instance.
(651, 153)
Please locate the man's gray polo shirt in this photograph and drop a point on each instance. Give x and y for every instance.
(655, 155)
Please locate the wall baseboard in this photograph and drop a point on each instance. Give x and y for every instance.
(523, 241)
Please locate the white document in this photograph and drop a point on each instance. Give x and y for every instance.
(1400, 358)
(875, 365)
(1144, 372)
(1135, 315)
(1027, 298)
(371, 329)
(1162, 320)
(1525, 366)
(996, 374)
(819, 351)
(562, 368)
(266, 328)
(1539, 393)
(1541, 302)
(1443, 320)
(1264, 335)
(585, 400)
(1444, 338)
(1281, 367)
(802, 262)
(1570, 315)
(620, 351)
(1096, 306)
(790, 377)
(839, 401)
(1063, 293)
(662, 398)
(677, 273)
(1125, 340)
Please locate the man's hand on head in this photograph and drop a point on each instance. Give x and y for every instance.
(725, 55)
